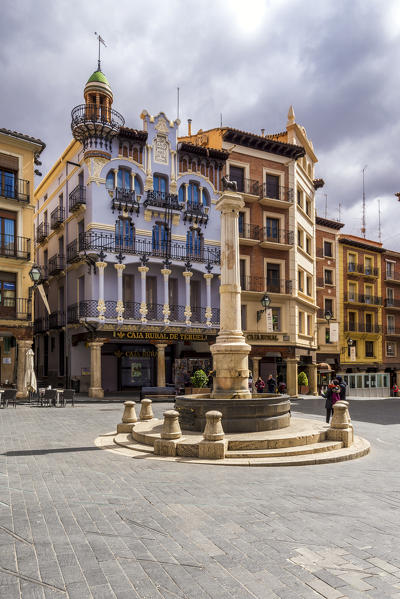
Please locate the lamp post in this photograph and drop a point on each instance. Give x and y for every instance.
(35, 274)
(328, 317)
(265, 302)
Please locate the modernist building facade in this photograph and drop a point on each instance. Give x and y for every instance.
(275, 175)
(128, 242)
(18, 155)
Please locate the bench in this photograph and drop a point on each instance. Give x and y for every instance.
(158, 393)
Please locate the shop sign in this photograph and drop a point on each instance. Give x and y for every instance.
(85, 371)
(135, 354)
(333, 332)
(261, 337)
(268, 316)
(353, 354)
(6, 360)
(158, 336)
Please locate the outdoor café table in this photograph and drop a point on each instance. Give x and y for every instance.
(1, 398)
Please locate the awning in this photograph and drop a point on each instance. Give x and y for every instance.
(324, 367)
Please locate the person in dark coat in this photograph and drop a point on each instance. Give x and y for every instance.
(342, 386)
(271, 384)
(329, 402)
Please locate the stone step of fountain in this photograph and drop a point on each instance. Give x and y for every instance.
(286, 451)
(278, 440)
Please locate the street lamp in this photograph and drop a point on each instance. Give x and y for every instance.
(350, 342)
(35, 274)
(265, 302)
(328, 316)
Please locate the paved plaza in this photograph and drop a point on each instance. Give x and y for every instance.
(78, 522)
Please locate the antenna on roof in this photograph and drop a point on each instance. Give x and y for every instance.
(340, 210)
(177, 102)
(363, 228)
(326, 205)
(379, 222)
(220, 119)
(101, 41)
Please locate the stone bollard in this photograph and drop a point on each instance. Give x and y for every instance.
(213, 445)
(213, 430)
(341, 428)
(146, 411)
(171, 432)
(128, 418)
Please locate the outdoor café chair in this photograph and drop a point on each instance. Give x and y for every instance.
(9, 395)
(50, 397)
(68, 395)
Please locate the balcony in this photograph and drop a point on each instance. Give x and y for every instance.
(361, 298)
(72, 252)
(262, 284)
(56, 264)
(392, 331)
(125, 200)
(162, 199)
(15, 247)
(320, 282)
(392, 277)
(77, 198)
(275, 193)
(41, 324)
(15, 189)
(92, 120)
(360, 269)
(249, 186)
(391, 303)
(195, 213)
(42, 231)
(280, 237)
(362, 327)
(95, 242)
(249, 234)
(57, 217)
(56, 319)
(88, 309)
(15, 309)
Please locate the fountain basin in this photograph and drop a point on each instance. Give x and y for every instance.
(262, 412)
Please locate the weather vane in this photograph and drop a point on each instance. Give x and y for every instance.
(101, 41)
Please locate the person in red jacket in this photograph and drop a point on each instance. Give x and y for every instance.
(259, 385)
(395, 390)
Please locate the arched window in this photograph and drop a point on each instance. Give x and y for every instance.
(194, 243)
(125, 151)
(160, 237)
(160, 185)
(110, 180)
(135, 154)
(124, 179)
(138, 186)
(206, 198)
(181, 194)
(194, 195)
(124, 233)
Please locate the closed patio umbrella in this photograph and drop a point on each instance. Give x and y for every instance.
(30, 377)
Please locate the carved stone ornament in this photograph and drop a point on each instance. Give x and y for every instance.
(161, 149)
(95, 168)
(228, 185)
(162, 126)
(120, 307)
(101, 308)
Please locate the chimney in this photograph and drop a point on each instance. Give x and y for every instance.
(189, 126)
(262, 132)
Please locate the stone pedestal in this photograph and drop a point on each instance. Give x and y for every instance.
(230, 352)
(313, 378)
(161, 364)
(171, 432)
(128, 418)
(146, 410)
(341, 428)
(213, 446)
(95, 389)
(23, 346)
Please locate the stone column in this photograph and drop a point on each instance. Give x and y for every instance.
(172, 185)
(95, 389)
(208, 276)
(230, 352)
(149, 176)
(133, 181)
(115, 177)
(143, 305)
(313, 379)
(256, 367)
(120, 303)
(166, 311)
(188, 313)
(186, 192)
(101, 306)
(23, 346)
(161, 364)
(291, 377)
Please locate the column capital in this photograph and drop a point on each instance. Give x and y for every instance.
(161, 346)
(94, 344)
(120, 266)
(143, 268)
(166, 271)
(256, 357)
(101, 264)
(115, 170)
(208, 275)
(24, 343)
(229, 202)
(187, 274)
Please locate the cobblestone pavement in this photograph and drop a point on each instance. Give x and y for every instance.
(78, 522)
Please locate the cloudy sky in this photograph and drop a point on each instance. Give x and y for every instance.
(336, 61)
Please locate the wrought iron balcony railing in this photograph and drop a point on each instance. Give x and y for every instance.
(362, 298)
(392, 331)
(56, 319)
(41, 324)
(367, 271)
(12, 246)
(250, 186)
(90, 241)
(125, 199)
(88, 309)
(195, 213)
(57, 217)
(392, 276)
(249, 231)
(15, 308)
(72, 252)
(362, 327)
(77, 198)
(280, 236)
(17, 189)
(277, 192)
(390, 302)
(162, 199)
(56, 264)
(262, 284)
(90, 114)
(42, 231)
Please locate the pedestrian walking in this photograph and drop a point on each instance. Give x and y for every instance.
(271, 384)
(343, 387)
(332, 395)
(259, 385)
(395, 390)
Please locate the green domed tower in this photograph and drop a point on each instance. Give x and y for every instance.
(95, 123)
